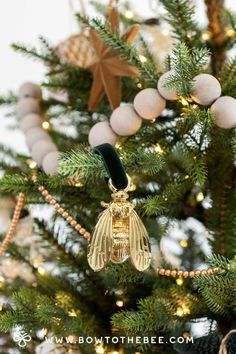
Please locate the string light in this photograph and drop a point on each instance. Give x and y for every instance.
(72, 313)
(1, 307)
(41, 270)
(158, 149)
(206, 36)
(230, 32)
(118, 146)
(200, 197)
(32, 164)
(186, 177)
(184, 102)
(179, 281)
(142, 58)
(46, 125)
(129, 14)
(99, 349)
(119, 303)
(139, 85)
(179, 312)
(165, 32)
(184, 243)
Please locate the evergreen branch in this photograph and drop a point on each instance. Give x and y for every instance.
(186, 65)
(180, 15)
(228, 78)
(82, 163)
(115, 42)
(46, 54)
(9, 99)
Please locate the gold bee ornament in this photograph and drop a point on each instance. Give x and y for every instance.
(119, 234)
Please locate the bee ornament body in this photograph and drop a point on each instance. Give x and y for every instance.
(119, 235)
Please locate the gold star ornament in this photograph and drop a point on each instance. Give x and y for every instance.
(107, 66)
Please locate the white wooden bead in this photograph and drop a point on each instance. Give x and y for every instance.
(34, 134)
(125, 121)
(206, 89)
(31, 120)
(149, 104)
(50, 162)
(30, 89)
(26, 106)
(224, 112)
(102, 133)
(40, 149)
(168, 94)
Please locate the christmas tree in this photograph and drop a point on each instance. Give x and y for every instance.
(172, 123)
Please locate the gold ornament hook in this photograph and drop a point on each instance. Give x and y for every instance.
(115, 190)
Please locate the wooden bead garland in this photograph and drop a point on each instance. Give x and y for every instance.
(38, 140)
(149, 103)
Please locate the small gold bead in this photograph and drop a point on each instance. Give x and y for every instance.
(45, 193)
(197, 273)
(73, 223)
(173, 273)
(191, 274)
(204, 272)
(78, 227)
(87, 235)
(180, 273)
(65, 215)
(41, 188)
(61, 211)
(48, 198)
(69, 219)
(168, 272)
(82, 231)
(185, 274)
(162, 271)
(57, 206)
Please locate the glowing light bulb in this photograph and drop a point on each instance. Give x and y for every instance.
(179, 281)
(45, 125)
(142, 58)
(129, 14)
(32, 164)
(72, 313)
(165, 32)
(200, 197)
(41, 270)
(230, 32)
(139, 85)
(186, 177)
(99, 349)
(119, 303)
(184, 102)
(184, 243)
(158, 149)
(206, 36)
(179, 312)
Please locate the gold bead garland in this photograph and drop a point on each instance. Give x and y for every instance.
(83, 232)
(187, 274)
(12, 229)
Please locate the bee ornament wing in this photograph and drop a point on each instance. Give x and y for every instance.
(140, 251)
(101, 241)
